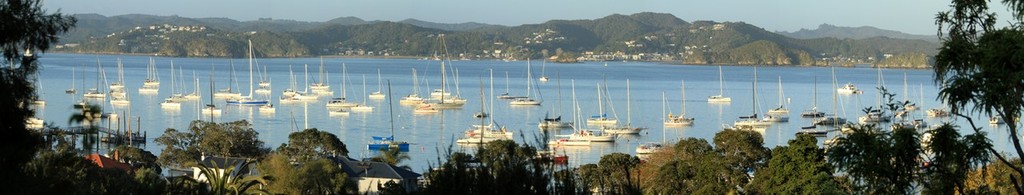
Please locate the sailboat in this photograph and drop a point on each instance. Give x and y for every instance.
(601, 118)
(229, 93)
(171, 102)
(582, 133)
(485, 133)
(628, 128)
(248, 99)
(322, 86)
(342, 101)
(649, 148)
(876, 115)
(443, 102)
(117, 88)
(720, 98)
(378, 94)
(196, 94)
(414, 96)
(363, 107)
(780, 114)
(906, 96)
(264, 84)
(752, 121)
(543, 67)
(833, 119)
(848, 88)
(506, 96)
(382, 143)
(96, 92)
(152, 78)
(210, 108)
(813, 112)
(570, 140)
(120, 101)
(526, 101)
(678, 120)
(36, 99)
(72, 90)
(548, 122)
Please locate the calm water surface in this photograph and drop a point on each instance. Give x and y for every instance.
(433, 133)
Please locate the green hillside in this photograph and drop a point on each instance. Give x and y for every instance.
(614, 37)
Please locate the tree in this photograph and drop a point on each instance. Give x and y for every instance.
(875, 161)
(799, 168)
(313, 144)
(617, 167)
(741, 151)
(392, 157)
(88, 115)
(230, 139)
(25, 27)
(231, 181)
(979, 68)
(136, 157)
(952, 157)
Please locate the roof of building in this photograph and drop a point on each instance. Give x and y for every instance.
(375, 169)
(104, 162)
(218, 162)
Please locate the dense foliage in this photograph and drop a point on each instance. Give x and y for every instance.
(231, 139)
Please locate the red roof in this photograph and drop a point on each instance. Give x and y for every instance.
(105, 162)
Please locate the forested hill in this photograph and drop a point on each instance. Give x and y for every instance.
(641, 36)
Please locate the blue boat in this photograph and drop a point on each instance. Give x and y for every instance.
(381, 143)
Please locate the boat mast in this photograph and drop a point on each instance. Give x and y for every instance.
(780, 91)
(600, 104)
(721, 86)
(682, 100)
(250, 69)
(529, 78)
(629, 115)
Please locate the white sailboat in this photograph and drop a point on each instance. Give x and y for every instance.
(249, 99)
(650, 148)
(117, 88)
(322, 86)
(906, 96)
(229, 93)
(196, 91)
(681, 119)
(152, 78)
(566, 140)
(526, 101)
(264, 84)
(628, 128)
(171, 103)
(543, 67)
(363, 107)
(780, 114)
(485, 133)
(720, 98)
(849, 88)
(341, 102)
(96, 93)
(443, 102)
(414, 97)
(601, 118)
(377, 95)
(752, 121)
(876, 115)
(833, 119)
(211, 109)
(72, 90)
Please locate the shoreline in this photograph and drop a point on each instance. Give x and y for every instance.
(420, 57)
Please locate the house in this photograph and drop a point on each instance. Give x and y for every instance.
(221, 164)
(104, 162)
(369, 174)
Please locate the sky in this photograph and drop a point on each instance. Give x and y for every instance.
(910, 16)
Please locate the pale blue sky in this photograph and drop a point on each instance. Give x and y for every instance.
(911, 16)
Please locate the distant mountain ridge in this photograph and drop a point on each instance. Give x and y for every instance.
(863, 32)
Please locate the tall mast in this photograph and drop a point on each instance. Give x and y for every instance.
(682, 100)
(721, 86)
(600, 104)
(344, 81)
(529, 78)
(629, 116)
(250, 68)
(780, 91)
(491, 70)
